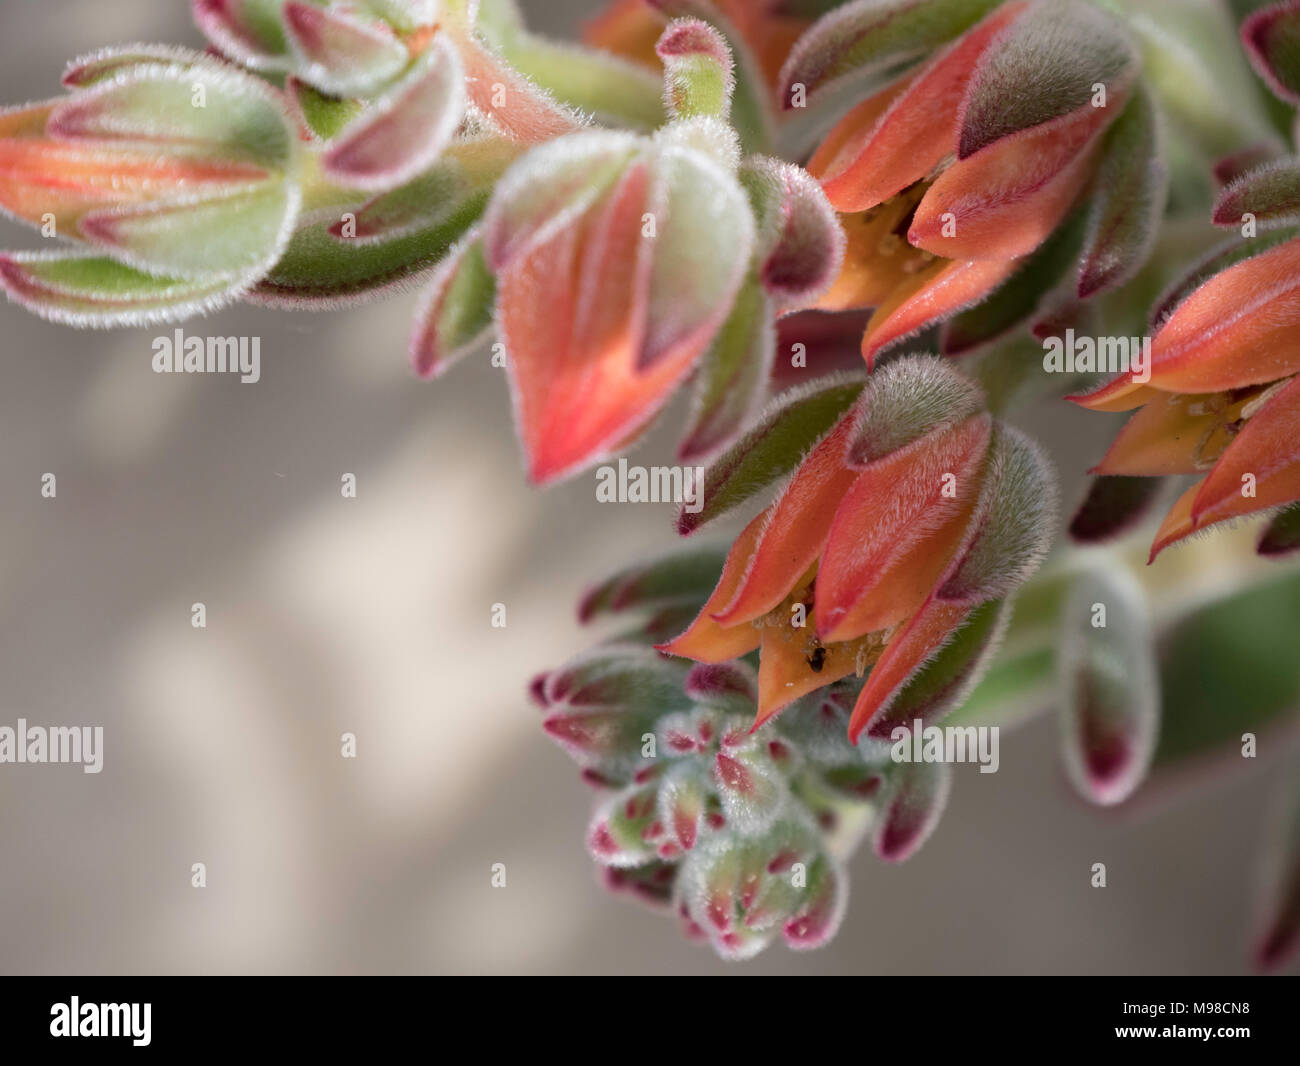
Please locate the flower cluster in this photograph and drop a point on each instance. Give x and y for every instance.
(913, 517)
(1222, 397)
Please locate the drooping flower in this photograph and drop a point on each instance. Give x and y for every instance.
(175, 175)
(1222, 399)
(954, 176)
(912, 518)
(614, 264)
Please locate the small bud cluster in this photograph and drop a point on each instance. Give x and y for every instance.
(741, 831)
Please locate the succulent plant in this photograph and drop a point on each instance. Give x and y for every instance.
(865, 237)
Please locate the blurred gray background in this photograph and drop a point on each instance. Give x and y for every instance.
(371, 616)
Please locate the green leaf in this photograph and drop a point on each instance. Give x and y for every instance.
(699, 73)
(239, 119)
(1013, 690)
(613, 90)
(239, 232)
(1272, 39)
(325, 116)
(683, 578)
(1271, 193)
(249, 31)
(96, 291)
(751, 104)
(732, 376)
(457, 311)
(910, 398)
(319, 271)
(1129, 202)
(1045, 66)
(869, 36)
(780, 439)
(1203, 87)
(916, 795)
(1014, 524)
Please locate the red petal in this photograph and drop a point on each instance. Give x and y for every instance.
(1006, 199)
(895, 532)
(706, 641)
(934, 294)
(785, 671)
(572, 313)
(1268, 449)
(900, 135)
(904, 654)
(1177, 524)
(797, 527)
(1122, 394)
(1237, 329)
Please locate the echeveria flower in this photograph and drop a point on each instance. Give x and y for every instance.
(953, 174)
(1222, 399)
(174, 174)
(914, 516)
(615, 260)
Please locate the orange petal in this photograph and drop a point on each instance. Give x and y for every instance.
(1006, 199)
(69, 178)
(903, 655)
(572, 313)
(1122, 394)
(876, 259)
(1237, 329)
(707, 642)
(940, 290)
(1178, 523)
(897, 138)
(848, 139)
(895, 532)
(1264, 458)
(797, 526)
(785, 670)
(1164, 437)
